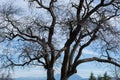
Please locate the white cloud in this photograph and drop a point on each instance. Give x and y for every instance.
(87, 51)
(30, 72)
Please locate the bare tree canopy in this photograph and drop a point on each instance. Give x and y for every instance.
(4, 76)
(115, 71)
(57, 29)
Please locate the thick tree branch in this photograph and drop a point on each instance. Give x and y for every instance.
(87, 43)
(98, 60)
(79, 9)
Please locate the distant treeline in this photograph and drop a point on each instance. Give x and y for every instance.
(105, 76)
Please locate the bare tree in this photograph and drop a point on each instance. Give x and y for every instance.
(60, 30)
(5, 76)
(115, 71)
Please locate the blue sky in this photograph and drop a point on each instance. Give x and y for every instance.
(84, 70)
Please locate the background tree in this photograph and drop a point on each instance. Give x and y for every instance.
(99, 77)
(115, 71)
(56, 30)
(106, 77)
(92, 77)
(5, 76)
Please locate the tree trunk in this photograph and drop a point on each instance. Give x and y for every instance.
(64, 77)
(50, 74)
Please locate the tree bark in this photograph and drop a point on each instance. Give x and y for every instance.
(50, 74)
(63, 77)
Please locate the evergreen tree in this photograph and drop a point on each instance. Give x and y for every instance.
(106, 76)
(92, 77)
(100, 78)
